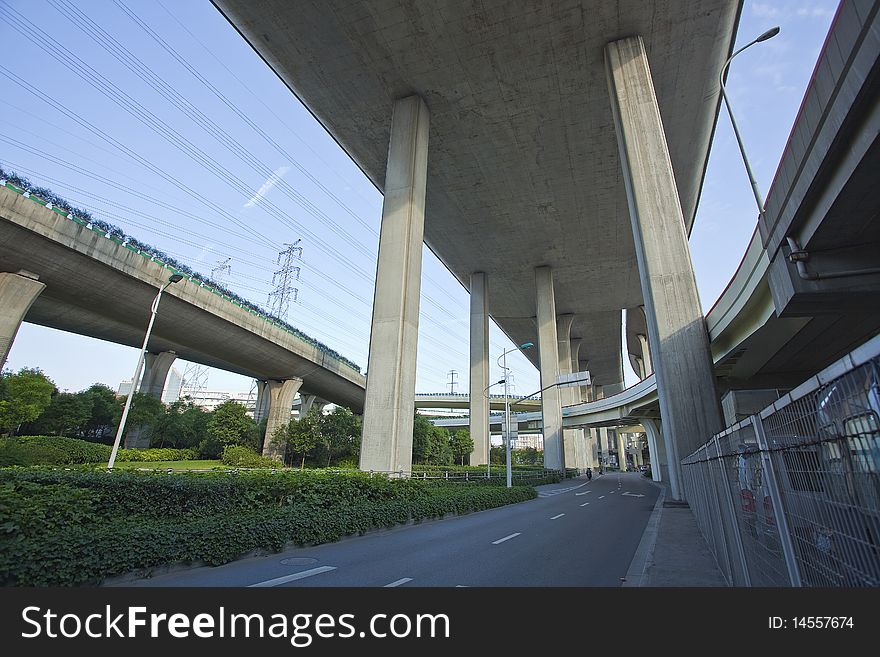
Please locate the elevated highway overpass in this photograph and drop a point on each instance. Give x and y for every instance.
(550, 154)
(59, 272)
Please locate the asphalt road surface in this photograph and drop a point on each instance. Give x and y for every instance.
(577, 533)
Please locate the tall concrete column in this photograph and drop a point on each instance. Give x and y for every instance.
(676, 327)
(261, 406)
(658, 447)
(156, 368)
(281, 394)
(584, 435)
(567, 394)
(391, 371)
(479, 381)
(308, 402)
(621, 451)
(17, 293)
(548, 357)
(646, 355)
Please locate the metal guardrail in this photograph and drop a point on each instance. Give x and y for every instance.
(791, 496)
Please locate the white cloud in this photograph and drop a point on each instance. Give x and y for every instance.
(815, 12)
(271, 181)
(764, 11)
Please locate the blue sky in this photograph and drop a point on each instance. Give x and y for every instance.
(250, 148)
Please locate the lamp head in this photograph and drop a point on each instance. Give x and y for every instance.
(526, 345)
(769, 34)
(174, 278)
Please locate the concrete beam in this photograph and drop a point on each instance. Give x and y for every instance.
(156, 368)
(391, 374)
(676, 327)
(17, 293)
(548, 357)
(281, 394)
(479, 378)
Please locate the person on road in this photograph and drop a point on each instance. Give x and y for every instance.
(589, 474)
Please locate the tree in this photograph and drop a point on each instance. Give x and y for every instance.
(430, 443)
(229, 424)
(104, 412)
(65, 415)
(183, 425)
(300, 436)
(461, 444)
(23, 397)
(340, 434)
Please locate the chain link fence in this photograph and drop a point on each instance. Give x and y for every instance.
(791, 496)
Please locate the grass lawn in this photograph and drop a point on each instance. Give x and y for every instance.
(165, 465)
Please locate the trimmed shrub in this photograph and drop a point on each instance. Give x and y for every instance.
(154, 454)
(240, 456)
(79, 527)
(50, 450)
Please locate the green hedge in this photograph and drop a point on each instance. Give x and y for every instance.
(155, 454)
(50, 450)
(77, 527)
(244, 457)
(59, 450)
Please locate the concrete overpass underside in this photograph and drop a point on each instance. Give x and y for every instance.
(550, 154)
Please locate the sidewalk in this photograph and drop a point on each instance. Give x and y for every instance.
(673, 552)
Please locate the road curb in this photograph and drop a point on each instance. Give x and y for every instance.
(637, 575)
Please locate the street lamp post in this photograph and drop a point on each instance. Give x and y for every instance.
(135, 380)
(503, 358)
(769, 34)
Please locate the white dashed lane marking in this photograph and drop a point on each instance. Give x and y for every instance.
(506, 538)
(398, 582)
(290, 578)
(585, 504)
(559, 516)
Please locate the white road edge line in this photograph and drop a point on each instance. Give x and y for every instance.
(290, 578)
(506, 538)
(402, 580)
(585, 504)
(559, 516)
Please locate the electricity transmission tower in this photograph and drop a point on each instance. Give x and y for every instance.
(221, 271)
(452, 381)
(195, 381)
(283, 280)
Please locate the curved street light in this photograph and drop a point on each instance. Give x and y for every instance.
(503, 357)
(769, 34)
(135, 380)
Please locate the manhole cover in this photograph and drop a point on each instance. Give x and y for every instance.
(298, 561)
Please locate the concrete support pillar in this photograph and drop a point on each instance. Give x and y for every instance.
(261, 406)
(17, 293)
(391, 371)
(479, 379)
(548, 357)
(621, 450)
(676, 327)
(307, 402)
(281, 394)
(568, 395)
(646, 355)
(658, 451)
(156, 368)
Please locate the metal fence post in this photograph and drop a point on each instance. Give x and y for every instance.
(776, 498)
(733, 521)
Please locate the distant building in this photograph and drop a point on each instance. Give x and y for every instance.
(173, 386)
